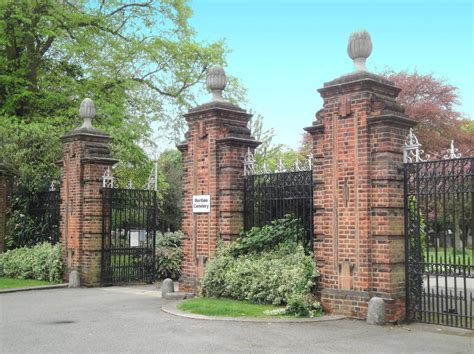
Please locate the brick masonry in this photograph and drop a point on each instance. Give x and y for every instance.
(358, 194)
(213, 155)
(86, 156)
(6, 181)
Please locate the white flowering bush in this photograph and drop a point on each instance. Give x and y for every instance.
(279, 272)
(40, 262)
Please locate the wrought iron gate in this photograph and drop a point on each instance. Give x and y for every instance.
(270, 196)
(128, 235)
(44, 209)
(439, 227)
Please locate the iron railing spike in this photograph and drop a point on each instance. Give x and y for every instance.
(452, 152)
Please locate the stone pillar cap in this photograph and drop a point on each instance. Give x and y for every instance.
(359, 48)
(87, 112)
(216, 82)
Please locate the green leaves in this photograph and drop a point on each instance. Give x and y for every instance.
(288, 231)
(138, 60)
(264, 265)
(169, 254)
(268, 277)
(41, 262)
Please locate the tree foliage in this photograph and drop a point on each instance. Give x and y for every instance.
(434, 103)
(268, 153)
(169, 165)
(138, 60)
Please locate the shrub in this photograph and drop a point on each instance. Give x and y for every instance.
(24, 230)
(273, 271)
(169, 254)
(41, 262)
(260, 239)
(303, 306)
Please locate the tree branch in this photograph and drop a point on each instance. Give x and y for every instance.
(144, 4)
(47, 45)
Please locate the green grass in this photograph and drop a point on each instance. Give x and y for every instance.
(9, 283)
(450, 256)
(225, 307)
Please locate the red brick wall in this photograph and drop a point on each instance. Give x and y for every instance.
(85, 159)
(358, 195)
(5, 191)
(213, 154)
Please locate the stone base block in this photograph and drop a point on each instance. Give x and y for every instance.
(178, 295)
(354, 304)
(189, 284)
(345, 302)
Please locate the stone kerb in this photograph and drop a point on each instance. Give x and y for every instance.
(213, 154)
(358, 192)
(86, 155)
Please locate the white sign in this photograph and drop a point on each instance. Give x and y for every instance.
(201, 203)
(134, 238)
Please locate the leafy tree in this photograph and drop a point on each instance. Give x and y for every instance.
(268, 153)
(138, 60)
(169, 165)
(306, 146)
(433, 103)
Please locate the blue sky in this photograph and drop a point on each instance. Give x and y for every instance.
(284, 50)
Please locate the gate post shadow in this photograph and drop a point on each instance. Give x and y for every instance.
(358, 189)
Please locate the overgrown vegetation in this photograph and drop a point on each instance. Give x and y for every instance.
(40, 262)
(169, 254)
(265, 265)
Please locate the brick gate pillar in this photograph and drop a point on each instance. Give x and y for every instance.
(213, 154)
(86, 156)
(6, 184)
(358, 196)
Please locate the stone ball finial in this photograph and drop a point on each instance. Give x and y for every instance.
(359, 48)
(87, 112)
(216, 82)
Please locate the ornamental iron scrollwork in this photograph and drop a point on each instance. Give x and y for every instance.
(412, 151)
(251, 167)
(452, 153)
(108, 180)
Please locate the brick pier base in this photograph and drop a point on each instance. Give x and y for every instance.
(6, 184)
(86, 156)
(213, 155)
(358, 194)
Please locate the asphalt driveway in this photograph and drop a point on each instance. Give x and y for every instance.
(129, 320)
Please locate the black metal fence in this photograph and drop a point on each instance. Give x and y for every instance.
(439, 226)
(271, 196)
(41, 222)
(128, 235)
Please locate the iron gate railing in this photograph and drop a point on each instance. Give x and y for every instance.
(44, 209)
(439, 226)
(271, 196)
(128, 235)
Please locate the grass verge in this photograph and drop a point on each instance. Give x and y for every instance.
(448, 256)
(225, 308)
(10, 283)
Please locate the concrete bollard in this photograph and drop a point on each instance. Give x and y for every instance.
(376, 313)
(74, 279)
(167, 287)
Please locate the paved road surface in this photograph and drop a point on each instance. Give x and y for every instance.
(117, 320)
